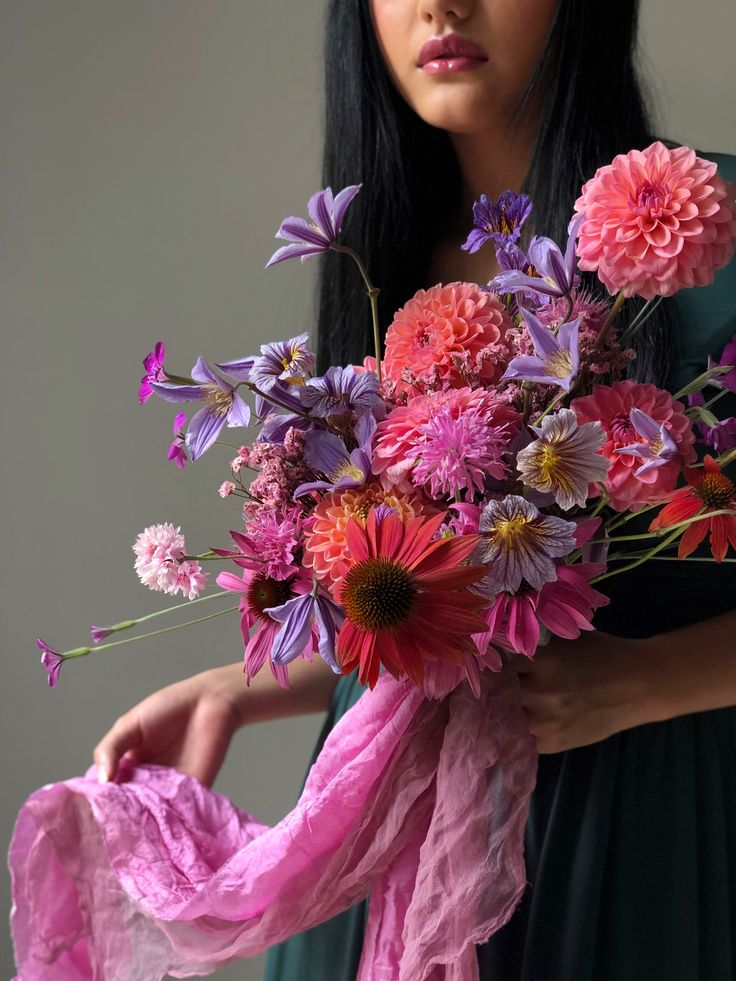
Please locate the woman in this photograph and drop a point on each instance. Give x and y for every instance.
(631, 850)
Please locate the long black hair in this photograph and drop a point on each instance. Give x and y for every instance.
(592, 109)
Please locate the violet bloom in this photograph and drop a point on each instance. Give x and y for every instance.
(177, 453)
(239, 368)
(728, 358)
(658, 447)
(51, 660)
(318, 234)
(289, 362)
(326, 453)
(154, 365)
(556, 274)
(342, 390)
(520, 543)
(557, 356)
(499, 221)
(300, 617)
(721, 435)
(223, 406)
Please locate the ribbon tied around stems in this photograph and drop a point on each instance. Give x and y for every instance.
(418, 804)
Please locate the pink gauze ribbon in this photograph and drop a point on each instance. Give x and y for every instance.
(418, 804)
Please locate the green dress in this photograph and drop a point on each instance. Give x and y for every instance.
(630, 842)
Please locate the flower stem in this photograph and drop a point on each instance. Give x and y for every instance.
(648, 555)
(127, 624)
(612, 314)
(640, 319)
(373, 292)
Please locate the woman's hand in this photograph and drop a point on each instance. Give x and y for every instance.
(187, 725)
(580, 692)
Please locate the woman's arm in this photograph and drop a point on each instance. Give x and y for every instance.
(582, 691)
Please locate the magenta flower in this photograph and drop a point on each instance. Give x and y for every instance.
(520, 543)
(300, 617)
(728, 358)
(557, 356)
(270, 541)
(154, 365)
(658, 447)
(177, 453)
(223, 406)
(51, 660)
(318, 234)
(99, 634)
(721, 435)
(498, 222)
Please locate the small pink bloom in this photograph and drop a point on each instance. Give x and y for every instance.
(656, 221)
(226, 488)
(612, 405)
(160, 565)
(177, 451)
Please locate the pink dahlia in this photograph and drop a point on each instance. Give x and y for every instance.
(627, 484)
(444, 335)
(325, 543)
(656, 220)
(402, 437)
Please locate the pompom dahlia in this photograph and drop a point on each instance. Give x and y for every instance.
(656, 220)
(612, 406)
(325, 543)
(443, 328)
(401, 437)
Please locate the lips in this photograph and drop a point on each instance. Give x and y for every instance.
(449, 47)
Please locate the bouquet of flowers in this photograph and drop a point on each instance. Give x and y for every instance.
(456, 499)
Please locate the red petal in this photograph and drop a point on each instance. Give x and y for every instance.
(693, 536)
(357, 542)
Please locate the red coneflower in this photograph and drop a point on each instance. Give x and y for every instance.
(708, 489)
(405, 598)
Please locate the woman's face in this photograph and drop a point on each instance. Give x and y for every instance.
(457, 88)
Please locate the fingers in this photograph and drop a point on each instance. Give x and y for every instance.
(123, 736)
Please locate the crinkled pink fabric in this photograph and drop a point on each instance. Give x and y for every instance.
(419, 804)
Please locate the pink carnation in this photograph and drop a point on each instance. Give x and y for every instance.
(656, 220)
(612, 405)
(159, 550)
(444, 335)
(400, 437)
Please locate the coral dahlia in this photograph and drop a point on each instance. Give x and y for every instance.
(405, 598)
(656, 220)
(442, 329)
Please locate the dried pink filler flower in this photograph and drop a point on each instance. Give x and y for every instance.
(159, 550)
(282, 469)
(656, 221)
(444, 334)
(226, 488)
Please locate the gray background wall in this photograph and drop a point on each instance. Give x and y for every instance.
(149, 150)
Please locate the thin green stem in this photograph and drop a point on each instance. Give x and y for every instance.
(641, 318)
(171, 609)
(612, 314)
(637, 562)
(373, 292)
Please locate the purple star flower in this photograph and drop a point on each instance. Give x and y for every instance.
(342, 390)
(557, 359)
(326, 453)
(720, 433)
(318, 234)
(154, 365)
(298, 616)
(51, 660)
(283, 361)
(499, 221)
(520, 543)
(728, 358)
(177, 453)
(556, 274)
(658, 447)
(223, 406)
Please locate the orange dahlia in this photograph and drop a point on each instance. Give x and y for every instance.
(442, 331)
(405, 597)
(708, 490)
(325, 544)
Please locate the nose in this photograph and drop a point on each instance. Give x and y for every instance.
(438, 12)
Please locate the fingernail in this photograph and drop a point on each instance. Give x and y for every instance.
(102, 773)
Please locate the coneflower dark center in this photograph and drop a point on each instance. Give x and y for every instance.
(378, 594)
(265, 592)
(716, 490)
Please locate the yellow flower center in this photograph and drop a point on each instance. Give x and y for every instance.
(348, 469)
(378, 594)
(220, 402)
(548, 460)
(559, 364)
(511, 530)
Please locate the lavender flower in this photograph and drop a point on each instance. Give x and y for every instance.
(556, 274)
(564, 459)
(223, 406)
(154, 365)
(511, 258)
(282, 361)
(239, 368)
(520, 543)
(297, 617)
(728, 357)
(51, 660)
(659, 446)
(718, 433)
(326, 453)
(342, 390)
(177, 453)
(318, 234)
(498, 222)
(557, 359)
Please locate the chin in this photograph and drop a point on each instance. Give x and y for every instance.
(458, 110)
